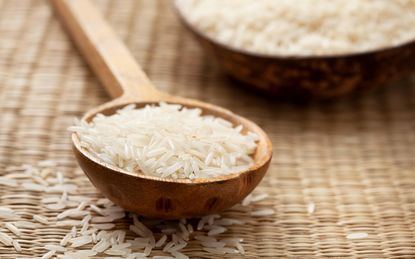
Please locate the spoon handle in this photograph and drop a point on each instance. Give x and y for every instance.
(110, 59)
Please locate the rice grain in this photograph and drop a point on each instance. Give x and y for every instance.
(6, 239)
(13, 229)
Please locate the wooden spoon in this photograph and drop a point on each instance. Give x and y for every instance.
(126, 82)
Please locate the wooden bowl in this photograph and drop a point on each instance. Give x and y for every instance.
(311, 76)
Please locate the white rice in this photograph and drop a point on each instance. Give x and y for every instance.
(57, 248)
(69, 223)
(48, 255)
(81, 241)
(228, 222)
(122, 252)
(39, 180)
(161, 241)
(6, 239)
(104, 202)
(259, 197)
(56, 206)
(147, 250)
(73, 231)
(83, 205)
(101, 246)
(72, 213)
(41, 219)
(25, 224)
(98, 229)
(60, 177)
(357, 235)
(217, 230)
(48, 200)
(240, 248)
(262, 213)
(168, 141)
(247, 200)
(97, 209)
(121, 236)
(168, 246)
(17, 246)
(13, 229)
(106, 219)
(65, 239)
(7, 213)
(103, 226)
(311, 207)
(303, 27)
(44, 173)
(178, 247)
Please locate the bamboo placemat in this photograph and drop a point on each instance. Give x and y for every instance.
(353, 158)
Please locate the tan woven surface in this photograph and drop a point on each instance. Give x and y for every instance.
(353, 158)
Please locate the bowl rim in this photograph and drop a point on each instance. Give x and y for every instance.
(253, 54)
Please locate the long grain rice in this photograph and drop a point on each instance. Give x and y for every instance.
(81, 241)
(41, 219)
(161, 241)
(105, 240)
(13, 229)
(17, 246)
(65, 239)
(306, 27)
(357, 235)
(6, 239)
(262, 213)
(311, 207)
(48, 255)
(217, 230)
(172, 142)
(101, 246)
(57, 248)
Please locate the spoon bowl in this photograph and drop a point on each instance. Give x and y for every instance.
(175, 198)
(125, 81)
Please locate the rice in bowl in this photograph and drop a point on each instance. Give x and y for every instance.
(303, 27)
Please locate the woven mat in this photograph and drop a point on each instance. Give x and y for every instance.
(353, 158)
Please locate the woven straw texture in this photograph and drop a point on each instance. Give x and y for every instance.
(353, 158)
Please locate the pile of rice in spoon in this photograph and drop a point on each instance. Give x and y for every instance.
(168, 141)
